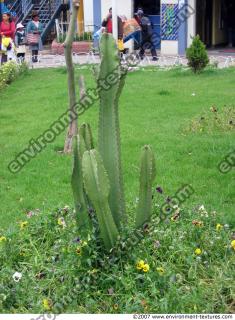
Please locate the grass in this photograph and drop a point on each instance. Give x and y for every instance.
(148, 116)
(156, 108)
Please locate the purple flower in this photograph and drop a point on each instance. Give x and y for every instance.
(159, 190)
(77, 240)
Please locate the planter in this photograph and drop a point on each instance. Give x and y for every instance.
(78, 47)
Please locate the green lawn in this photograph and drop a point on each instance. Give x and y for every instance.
(189, 264)
(155, 108)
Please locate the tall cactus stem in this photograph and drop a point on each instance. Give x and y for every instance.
(109, 131)
(98, 188)
(147, 176)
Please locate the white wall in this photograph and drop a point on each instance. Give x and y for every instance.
(124, 7)
(191, 23)
(88, 14)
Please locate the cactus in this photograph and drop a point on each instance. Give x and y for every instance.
(97, 187)
(109, 132)
(97, 175)
(147, 176)
(77, 184)
(85, 132)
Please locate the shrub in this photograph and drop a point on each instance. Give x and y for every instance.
(10, 71)
(197, 55)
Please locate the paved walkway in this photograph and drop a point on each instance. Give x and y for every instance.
(47, 60)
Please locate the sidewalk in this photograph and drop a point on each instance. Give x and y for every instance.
(48, 60)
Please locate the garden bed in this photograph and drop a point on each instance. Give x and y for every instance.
(78, 47)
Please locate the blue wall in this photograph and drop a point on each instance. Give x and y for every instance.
(97, 14)
(183, 27)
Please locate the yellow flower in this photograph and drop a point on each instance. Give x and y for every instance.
(219, 227)
(23, 224)
(78, 251)
(161, 271)
(115, 306)
(146, 267)
(198, 251)
(84, 243)
(2, 238)
(233, 244)
(47, 304)
(61, 222)
(140, 265)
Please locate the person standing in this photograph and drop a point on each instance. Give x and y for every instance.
(34, 30)
(108, 24)
(20, 42)
(7, 30)
(146, 35)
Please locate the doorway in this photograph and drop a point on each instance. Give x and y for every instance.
(204, 21)
(215, 22)
(152, 9)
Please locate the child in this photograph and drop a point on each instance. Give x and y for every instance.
(20, 42)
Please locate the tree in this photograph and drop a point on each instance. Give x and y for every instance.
(197, 55)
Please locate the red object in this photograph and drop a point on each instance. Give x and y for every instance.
(8, 30)
(33, 39)
(109, 26)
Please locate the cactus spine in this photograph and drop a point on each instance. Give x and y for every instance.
(97, 187)
(147, 176)
(109, 132)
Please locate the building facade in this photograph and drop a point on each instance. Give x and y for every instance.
(177, 21)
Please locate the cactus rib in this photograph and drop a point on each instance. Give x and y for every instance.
(147, 176)
(77, 184)
(98, 188)
(109, 132)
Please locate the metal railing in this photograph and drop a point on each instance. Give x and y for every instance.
(21, 8)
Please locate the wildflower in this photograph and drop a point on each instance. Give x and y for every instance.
(146, 268)
(198, 223)
(61, 222)
(84, 243)
(2, 238)
(110, 291)
(159, 190)
(17, 276)
(140, 265)
(198, 251)
(23, 224)
(77, 240)
(213, 109)
(115, 306)
(219, 227)
(66, 208)
(47, 304)
(30, 214)
(233, 244)
(161, 271)
(157, 244)
(78, 251)
(201, 208)
(176, 216)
